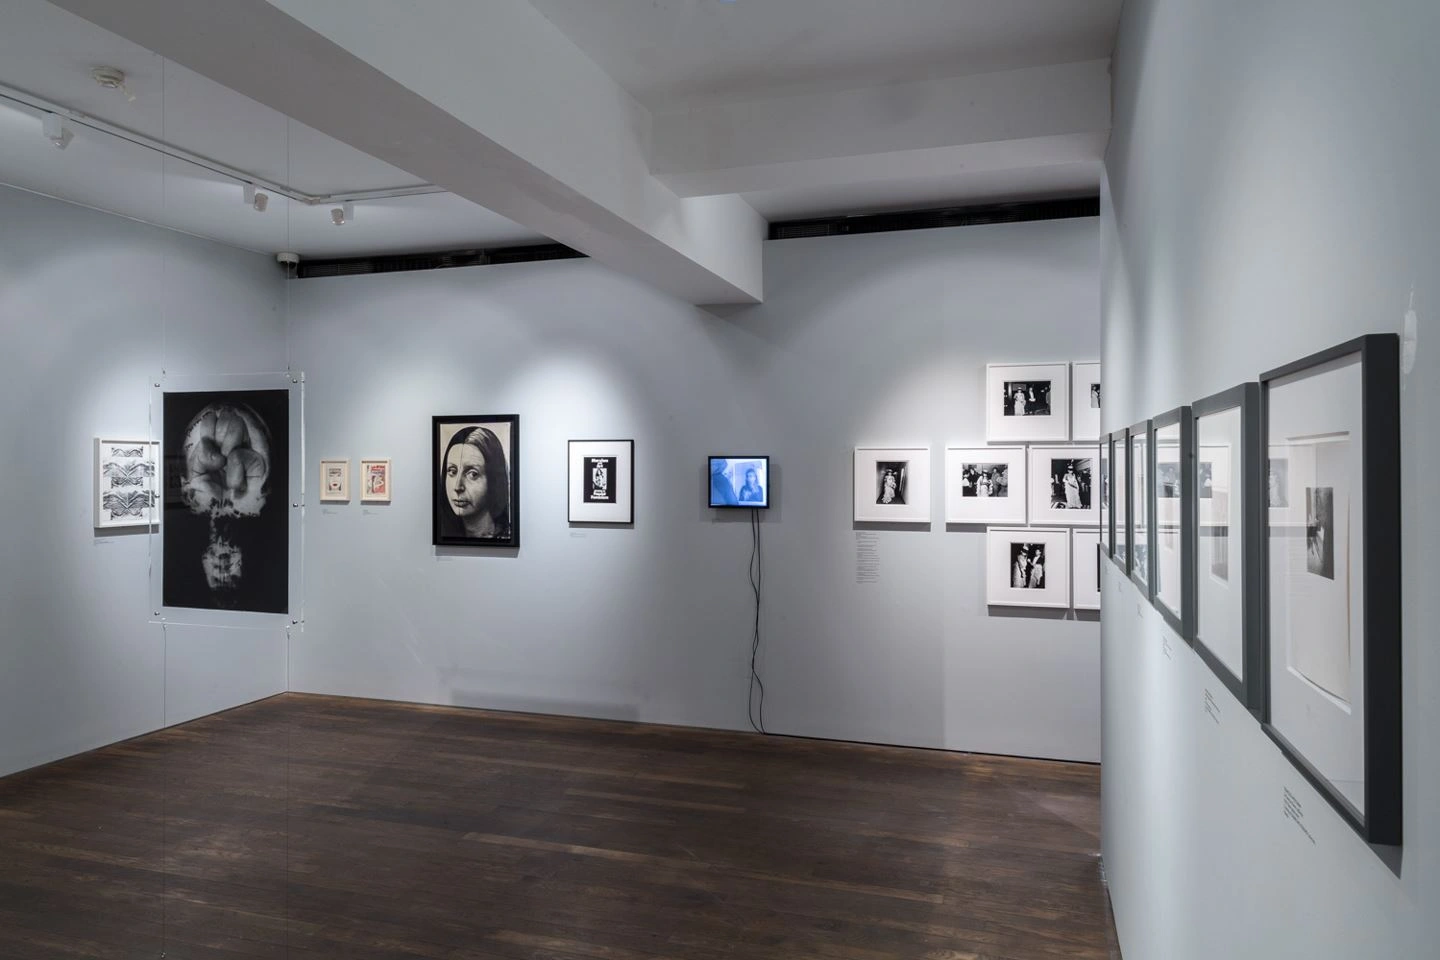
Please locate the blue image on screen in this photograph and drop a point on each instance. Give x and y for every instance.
(740, 482)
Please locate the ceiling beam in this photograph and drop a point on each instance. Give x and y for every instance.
(1015, 119)
(490, 101)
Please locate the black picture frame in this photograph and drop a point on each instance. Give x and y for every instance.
(1381, 822)
(1142, 577)
(1183, 623)
(1249, 689)
(443, 516)
(1120, 529)
(628, 519)
(738, 505)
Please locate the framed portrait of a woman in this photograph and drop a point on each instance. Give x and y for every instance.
(476, 488)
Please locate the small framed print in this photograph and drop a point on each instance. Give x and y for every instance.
(1120, 499)
(374, 481)
(1107, 483)
(1085, 563)
(985, 485)
(1225, 551)
(1172, 509)
(126, 490)
(1026, 567)
(334, 481)
(1332, 579)
(602, 481)
(1142, 472)
(1084, 401)
(1062, 486)
(1027, 403)
(892, 485)
(476, 487)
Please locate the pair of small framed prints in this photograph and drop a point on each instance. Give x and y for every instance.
(1042, 402)
(335, 481)
(1264, 525)
(1034, 567)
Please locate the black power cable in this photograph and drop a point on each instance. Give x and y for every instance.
(756, 577)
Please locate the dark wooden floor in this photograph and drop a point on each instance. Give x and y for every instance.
(319, 827)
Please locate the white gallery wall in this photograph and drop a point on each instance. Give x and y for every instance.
(92, 308)
(1271, 192)
(865, 340)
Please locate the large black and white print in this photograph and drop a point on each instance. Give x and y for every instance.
(1027, 566)
(1070, 483)
(891, 479)
(1027, 398)
(227, 490)
(476, 483)
(986, 480)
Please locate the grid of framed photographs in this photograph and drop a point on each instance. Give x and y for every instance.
(1263, 523)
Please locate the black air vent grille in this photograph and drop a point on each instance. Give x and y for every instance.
(931, 219)
(353, 266)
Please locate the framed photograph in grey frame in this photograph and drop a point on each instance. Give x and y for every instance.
(1106, 482)
(1332, 579)
(1228, 517)
(1120, 499)
(1142, 529)
(1170, 494)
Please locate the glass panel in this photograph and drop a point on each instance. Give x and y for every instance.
(1105, 483)
(1168, 507)
(1219, 559)
(1316, 572)
(1122, 500)
(1140, 506)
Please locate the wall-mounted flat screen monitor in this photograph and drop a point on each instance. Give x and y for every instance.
(739, 482)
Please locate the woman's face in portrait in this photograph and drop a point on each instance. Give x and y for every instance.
(750, 480)
(465, 480)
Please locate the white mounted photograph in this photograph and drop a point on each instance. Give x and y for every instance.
(985, 485)
(334, 481)
(1085, 563)
(1025, 567)
(125, 483)
(602, 481)
(1063, 486)
(1027, 402)
(892, 485)
(1084, 401)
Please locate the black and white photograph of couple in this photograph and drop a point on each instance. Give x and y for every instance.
(1320, 531)
(891, 477)
(1027, 566)
(1070, 483)
(1027, 398)
(986, 480)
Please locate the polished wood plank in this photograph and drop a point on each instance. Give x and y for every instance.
(321, 827)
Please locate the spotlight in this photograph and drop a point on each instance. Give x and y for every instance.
(342, 214)
(254, 198)
(56, 131)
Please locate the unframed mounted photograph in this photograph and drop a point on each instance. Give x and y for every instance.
(476, 482)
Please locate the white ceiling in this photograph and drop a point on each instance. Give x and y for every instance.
(49, 53)
(668, 54)
(676, 53)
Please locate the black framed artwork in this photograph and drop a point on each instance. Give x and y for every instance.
(739, 482)
(1171, 497)
(1331, 439)
(600, 477)
(1142, 477)
(476, 483)
(1226, 552)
